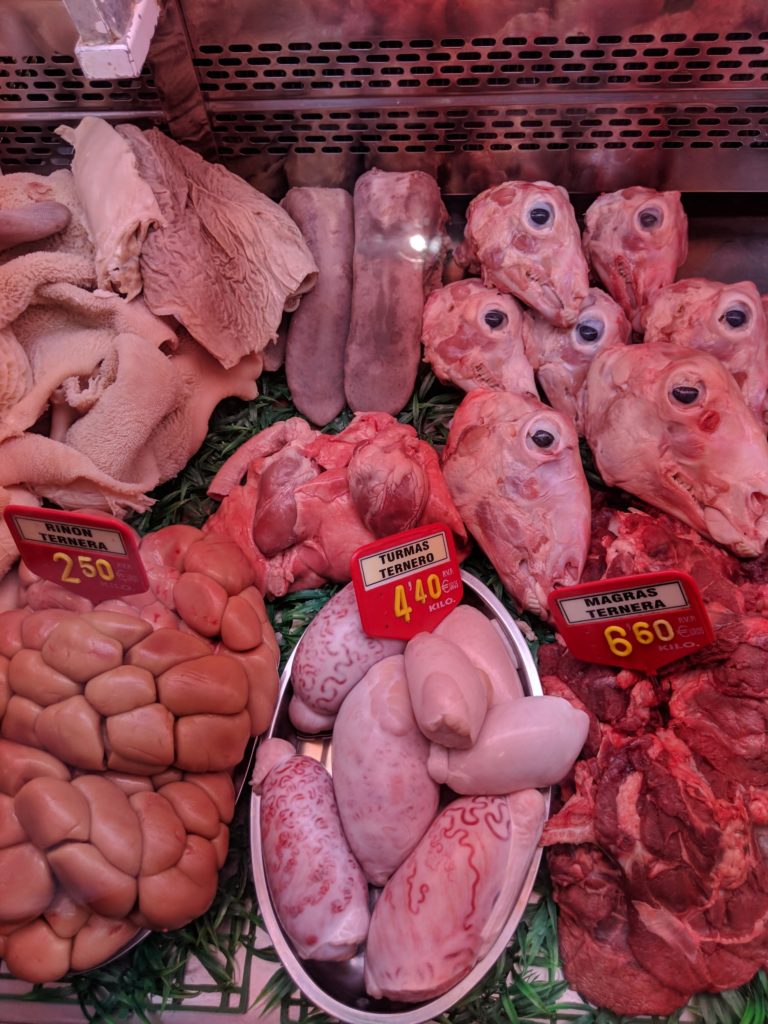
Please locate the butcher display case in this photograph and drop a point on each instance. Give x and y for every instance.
(592, 95)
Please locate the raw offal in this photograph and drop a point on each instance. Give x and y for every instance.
(318, 889)
(697, 451)
(399, 247)
(310, 499)
(561, 356)
(386, 798)
(157, 716)
(332, 658)
(523, 238)
(635, 240)
(522, 744)
(226, 261)
(448, 695)
(317, 332)
(513, 469)
(118, 205)
(482, 643)
(726, 320)
(473, 338)
(444, 907)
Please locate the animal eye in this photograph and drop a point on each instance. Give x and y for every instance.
(495, 318)
(649, 218)
(685, 393)
(543, 438)
(735, 317)
(590, 330)
(541, 215)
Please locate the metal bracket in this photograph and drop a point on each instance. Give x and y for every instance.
(114, 35)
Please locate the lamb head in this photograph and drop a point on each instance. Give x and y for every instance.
(561, 356)
(526, 241)
(635, 240)
(512, 466)
(726, 320)
(669, 425)
(473, 338)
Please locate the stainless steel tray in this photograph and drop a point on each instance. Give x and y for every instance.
(337, 988)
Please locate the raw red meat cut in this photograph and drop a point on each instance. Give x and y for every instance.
(658, 859)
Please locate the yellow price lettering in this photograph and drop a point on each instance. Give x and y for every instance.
(434, 589)
(88, 567)
(616, 636)
(402, 609)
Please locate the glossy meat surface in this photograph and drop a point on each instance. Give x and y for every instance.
(561, 356)
(726, 320)
(513, 469)
(399, 242)
(444, 907)
(318, 889)
(669, 425)
(524, 238)
(635, 240)
(386, 798)
(473, 338)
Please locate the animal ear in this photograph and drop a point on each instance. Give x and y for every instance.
(686, 441)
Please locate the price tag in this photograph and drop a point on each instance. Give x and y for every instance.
(407, 583)
(640, 622)
(92, 555)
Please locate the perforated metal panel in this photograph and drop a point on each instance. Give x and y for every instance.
(56, 81)
(595, 95)
(418, 66)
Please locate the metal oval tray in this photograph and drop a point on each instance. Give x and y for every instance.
(337, 988)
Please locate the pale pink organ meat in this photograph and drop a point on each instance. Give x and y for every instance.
(513, 469)
(481, 641)
(444, 907)
(448, 695)
(318, 889)
(386, 798)
(726, 320)
(310, 500)
(227, 260)
(399, 244)
(333, 656)
(561, 356)
(669, 425)
(317, 333)
(524, 239)
(473, 337)
(522, 744)
(635, 240)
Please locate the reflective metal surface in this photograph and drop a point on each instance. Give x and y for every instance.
(593, 95)
(338, 988)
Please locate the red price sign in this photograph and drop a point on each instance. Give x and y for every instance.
(95, 556)
(640, 622)
(407, 583)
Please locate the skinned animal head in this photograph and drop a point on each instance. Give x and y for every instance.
(513, 469)
(473, 337)
(669, 425)
(635, 240)
(726, 320)
(525, 238)
(561, 356)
